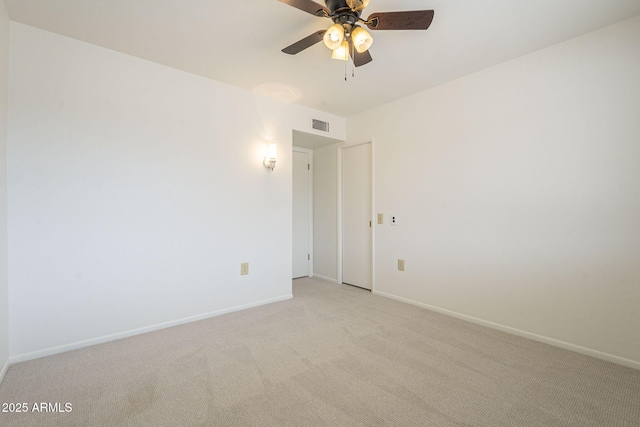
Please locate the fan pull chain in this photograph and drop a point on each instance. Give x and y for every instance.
(353, 62)
(345, 70)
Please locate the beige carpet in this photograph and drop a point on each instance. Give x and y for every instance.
(333, 356)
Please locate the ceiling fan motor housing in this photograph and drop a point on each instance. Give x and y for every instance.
(335, 5)
(340, 8)
(341, 13)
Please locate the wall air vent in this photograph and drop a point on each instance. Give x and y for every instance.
(320, 125)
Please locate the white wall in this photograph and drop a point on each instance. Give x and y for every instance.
(517, 191)
(135, 192)
(4, 287)
(325, 212)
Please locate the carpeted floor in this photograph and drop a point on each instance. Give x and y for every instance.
(334, 355)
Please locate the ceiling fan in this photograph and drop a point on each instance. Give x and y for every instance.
(346, 37)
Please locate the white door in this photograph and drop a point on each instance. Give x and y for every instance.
(356, 215)
(301, 215)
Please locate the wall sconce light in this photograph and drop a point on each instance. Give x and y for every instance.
(270, 160)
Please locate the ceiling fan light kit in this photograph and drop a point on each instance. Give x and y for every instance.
(361, 39)
(334, 36)
(345, 37)
(342, 52)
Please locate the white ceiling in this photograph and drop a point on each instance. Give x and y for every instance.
(239, 42)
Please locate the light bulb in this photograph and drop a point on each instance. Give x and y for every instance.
(334, 36)
(362, 40)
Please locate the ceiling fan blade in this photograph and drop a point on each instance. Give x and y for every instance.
(308, 6)
(361, 58)
(409, 20)
(306, 42)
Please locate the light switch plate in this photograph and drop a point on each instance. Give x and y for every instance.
(401, 264)
(244, 269)
(380, 218)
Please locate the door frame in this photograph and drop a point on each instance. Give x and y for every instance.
(310, 153)
(339, 219)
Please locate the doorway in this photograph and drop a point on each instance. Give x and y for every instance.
(302, 212)
(356, 180)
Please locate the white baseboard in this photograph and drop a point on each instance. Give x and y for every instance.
(86, 343)
(551, 341)
(4, 370)
(328, 279)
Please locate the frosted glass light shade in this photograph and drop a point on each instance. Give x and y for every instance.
(342, 52)
(362, 40)
(334, 36)
(273, 151)
(270, 159)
